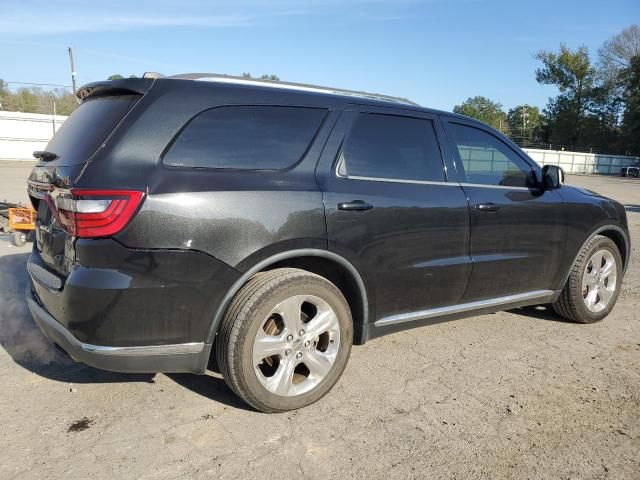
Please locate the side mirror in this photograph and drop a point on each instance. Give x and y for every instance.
(552, 177)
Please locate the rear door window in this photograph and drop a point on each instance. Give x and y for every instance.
(246, 137)
(88, 127)
(392, 147)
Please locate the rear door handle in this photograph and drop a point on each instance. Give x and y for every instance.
(487, 207)
(355, 206)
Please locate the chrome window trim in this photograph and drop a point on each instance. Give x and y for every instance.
(503, 187)
(425, 182)
(340, 163)
(464, 307)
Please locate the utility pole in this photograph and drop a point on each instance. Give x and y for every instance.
(73, 71)
(524, 123)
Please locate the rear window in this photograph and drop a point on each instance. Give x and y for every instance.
(246, 137)
(88, 127)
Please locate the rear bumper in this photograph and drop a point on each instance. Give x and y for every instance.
(177, 358)
(114, 295)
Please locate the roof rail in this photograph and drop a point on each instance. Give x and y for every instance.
(221, 78)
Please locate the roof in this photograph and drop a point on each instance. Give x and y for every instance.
(301, 87)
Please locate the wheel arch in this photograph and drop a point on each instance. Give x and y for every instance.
(325, 263)
(616, 234)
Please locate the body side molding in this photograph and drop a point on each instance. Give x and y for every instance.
(464, 307)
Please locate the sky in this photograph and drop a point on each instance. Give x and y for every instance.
(435, 52)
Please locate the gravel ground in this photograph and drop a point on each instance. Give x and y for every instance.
(518, 394)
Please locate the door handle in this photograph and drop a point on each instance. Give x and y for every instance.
(355, 206)
(487, 207)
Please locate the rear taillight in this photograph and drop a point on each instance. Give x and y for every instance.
(87, 213)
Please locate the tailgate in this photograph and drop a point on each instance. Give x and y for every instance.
(86, 130)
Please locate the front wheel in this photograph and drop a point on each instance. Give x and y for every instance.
(285, 339)
(594, 283)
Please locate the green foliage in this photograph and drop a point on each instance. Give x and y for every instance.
(575, 77)
(485, 110)
(525, 123)
(271, 77)
(117, 76)
(631, 117)
(36, 100)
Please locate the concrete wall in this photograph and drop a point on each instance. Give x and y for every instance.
(22, 133)
(575, 162)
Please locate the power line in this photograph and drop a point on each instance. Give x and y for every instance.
(40, 84)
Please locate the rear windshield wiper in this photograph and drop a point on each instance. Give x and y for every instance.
(44, 155)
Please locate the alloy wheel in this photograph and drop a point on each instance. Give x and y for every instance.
(599, 280)
(296, 345)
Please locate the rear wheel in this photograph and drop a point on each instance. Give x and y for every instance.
(593, 285)
(285, 339)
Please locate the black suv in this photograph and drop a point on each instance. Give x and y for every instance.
(267, 227)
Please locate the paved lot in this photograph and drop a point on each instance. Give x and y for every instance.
(518, 394)
(12, 180)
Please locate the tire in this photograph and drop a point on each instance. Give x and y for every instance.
(305, 366)
(589, 295)
(18, 238)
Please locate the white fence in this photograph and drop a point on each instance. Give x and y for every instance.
(22, 133)
(576, 162)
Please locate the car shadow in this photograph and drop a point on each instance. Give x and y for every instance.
(541, 312)
(211, 387)
(28, 347)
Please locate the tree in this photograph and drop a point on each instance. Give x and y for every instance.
(631, 116)
(4, 93)
(36, 100)
(115, 76)
(575, 77)
(617, 52)
(272, 77)
(525, 123)
(485, 110)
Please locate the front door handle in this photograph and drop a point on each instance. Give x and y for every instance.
(355, 206)
(487, 207)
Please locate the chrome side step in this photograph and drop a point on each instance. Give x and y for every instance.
(464, 307)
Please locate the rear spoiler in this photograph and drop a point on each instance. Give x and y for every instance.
(115, 87)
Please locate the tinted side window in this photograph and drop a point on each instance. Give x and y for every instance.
(388, 146)
(489, 161)
(246, 137)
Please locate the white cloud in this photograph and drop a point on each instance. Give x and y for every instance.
(38, 17)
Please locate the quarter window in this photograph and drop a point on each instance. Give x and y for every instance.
(487, 160)
(392, 147)
(246, 137)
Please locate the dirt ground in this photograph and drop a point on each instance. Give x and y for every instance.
(518, 394)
